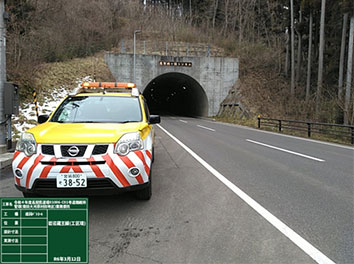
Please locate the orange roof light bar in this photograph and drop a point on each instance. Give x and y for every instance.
(108, 85)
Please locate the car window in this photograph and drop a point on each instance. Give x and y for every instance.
(98, 109)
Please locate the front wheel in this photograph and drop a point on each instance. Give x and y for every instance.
(153, 155)
(26, 194)
(144, 194)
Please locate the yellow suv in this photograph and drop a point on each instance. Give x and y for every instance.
(99, 140)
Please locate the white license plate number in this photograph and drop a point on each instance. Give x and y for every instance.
(71, 180)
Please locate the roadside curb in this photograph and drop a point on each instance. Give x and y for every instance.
(5, 160)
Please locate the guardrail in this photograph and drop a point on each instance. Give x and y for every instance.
(333, 130)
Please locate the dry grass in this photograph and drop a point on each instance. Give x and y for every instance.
(250, 122)
(67, 73)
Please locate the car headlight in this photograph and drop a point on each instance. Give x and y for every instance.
(27, 144)
(129, 142)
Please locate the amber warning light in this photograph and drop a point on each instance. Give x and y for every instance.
(108, 85)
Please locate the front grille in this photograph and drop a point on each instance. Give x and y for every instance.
(99, 149)
(72, 163)
(65, 153)
(48, 149)
(91, 184)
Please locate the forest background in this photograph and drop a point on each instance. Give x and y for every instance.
(295, 56)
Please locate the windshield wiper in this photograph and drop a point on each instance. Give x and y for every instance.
(128, 121)
(86, 122)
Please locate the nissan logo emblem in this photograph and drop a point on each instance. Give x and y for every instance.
(73, 151)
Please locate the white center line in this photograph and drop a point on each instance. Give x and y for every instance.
(183, 121)
(206, 128)
(285, 150)
(309, 249)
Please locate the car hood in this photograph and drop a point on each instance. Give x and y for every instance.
(57, 133)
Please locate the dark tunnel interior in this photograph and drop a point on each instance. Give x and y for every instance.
(176, 94)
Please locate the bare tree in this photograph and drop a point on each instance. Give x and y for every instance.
(309, 60)
(190, 11)
(320, 58)
(299, 51)
(292, 88)
(240, 31)
(226, 16)
(286, 69)
(341, 59)
(215, 9)
(349, 72)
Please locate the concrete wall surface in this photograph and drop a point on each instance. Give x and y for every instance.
(216, 75)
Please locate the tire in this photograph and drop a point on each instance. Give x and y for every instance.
(153, 155)
(144, 194)
(26, 194)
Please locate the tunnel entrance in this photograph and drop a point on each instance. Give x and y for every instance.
(177, 94)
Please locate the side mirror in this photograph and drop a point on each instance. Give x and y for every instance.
(154, 119)
(42, 118)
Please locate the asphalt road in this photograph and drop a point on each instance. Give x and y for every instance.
(195, 218)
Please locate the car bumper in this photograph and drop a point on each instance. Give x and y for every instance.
(107, 174)
(96, 187)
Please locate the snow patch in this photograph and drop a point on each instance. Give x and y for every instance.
(27, 115)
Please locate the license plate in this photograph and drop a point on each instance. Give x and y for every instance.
(71, 180)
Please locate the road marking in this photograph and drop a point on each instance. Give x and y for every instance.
(282, 135)
(309, 249)
(206, 128)
(183, 121)
(285, 150)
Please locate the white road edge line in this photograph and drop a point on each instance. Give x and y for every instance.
(206, 128)
(310, 250)
(285, 150)
(183, 121)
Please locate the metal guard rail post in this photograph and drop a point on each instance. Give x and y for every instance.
(309, 126)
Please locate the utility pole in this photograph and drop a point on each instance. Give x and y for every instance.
(2, 73)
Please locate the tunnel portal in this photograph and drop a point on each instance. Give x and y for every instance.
(207, 80)
(176, 93)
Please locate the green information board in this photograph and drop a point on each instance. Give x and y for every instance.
(44, 230)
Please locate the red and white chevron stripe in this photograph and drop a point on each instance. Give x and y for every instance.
(115, 167)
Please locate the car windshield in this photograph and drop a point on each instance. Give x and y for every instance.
(98, 109)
